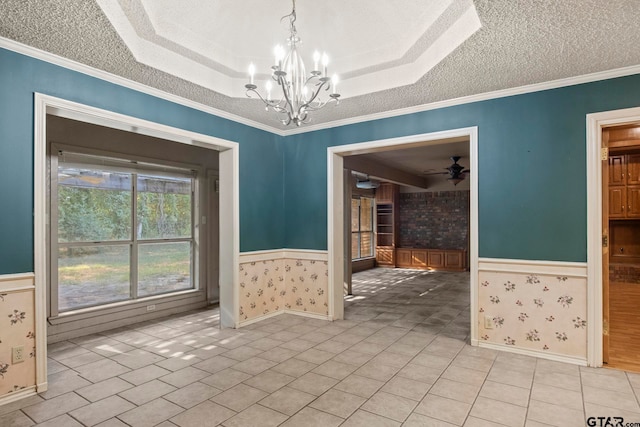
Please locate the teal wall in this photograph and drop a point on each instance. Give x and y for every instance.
(532, 162)
(261, 153)
(532, 168)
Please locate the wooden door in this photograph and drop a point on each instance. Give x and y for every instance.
(617, 170)
(453, 260)
(633, 201)
(436, 259)
(419, 258)
(403, 257)
(617, 202)
(633, 169)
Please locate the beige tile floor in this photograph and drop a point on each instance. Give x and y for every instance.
(401, 357)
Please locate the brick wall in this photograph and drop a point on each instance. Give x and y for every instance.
(434, 220)
(624, 273)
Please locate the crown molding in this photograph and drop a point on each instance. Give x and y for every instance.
(503, 93)
(60, 61)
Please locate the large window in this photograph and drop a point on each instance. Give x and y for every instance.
(361, 227)
(120, 230)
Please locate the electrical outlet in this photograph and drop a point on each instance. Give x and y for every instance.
(151, 307)
(17, 354)
(488, 322)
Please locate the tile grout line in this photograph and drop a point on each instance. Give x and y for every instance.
(480, 391)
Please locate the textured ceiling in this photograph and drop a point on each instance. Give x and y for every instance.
(383, 46)
(519, 43)
(425, 161)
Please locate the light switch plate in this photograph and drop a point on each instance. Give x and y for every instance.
(488, 322)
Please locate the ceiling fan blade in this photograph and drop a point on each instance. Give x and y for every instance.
(436, 173)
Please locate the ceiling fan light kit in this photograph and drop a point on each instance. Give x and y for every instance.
(301, 92)
(367, 184)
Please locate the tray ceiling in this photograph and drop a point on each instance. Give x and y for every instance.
(212, 43)
(391, 55)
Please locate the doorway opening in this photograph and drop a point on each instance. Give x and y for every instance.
(361, 158)
(50, 111)
(621, 246)
(598, 233)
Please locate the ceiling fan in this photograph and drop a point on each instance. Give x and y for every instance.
(456, 172)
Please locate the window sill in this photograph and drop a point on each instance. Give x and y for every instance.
(138, 304)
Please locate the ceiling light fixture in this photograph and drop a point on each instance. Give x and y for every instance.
(300, 92)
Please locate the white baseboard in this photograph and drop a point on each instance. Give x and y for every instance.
(277, 313)
(259, 319)
(307, 314)
(42, 387)
(582, 361)
(17, 395)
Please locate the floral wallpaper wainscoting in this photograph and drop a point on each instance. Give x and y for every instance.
(17, 328)
(280, 284)
(307, 282)
(262, 288)
(540, 312)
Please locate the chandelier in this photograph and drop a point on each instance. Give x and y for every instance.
(300, 93)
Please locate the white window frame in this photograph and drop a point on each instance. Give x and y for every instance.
(103, 160)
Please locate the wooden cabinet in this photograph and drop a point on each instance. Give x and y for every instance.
(633, 169)
(387, 193)
(454, 260)
(625, 242)
(436, 259)
(624, 186)
(633, 201)
(419, 258)
(387, 230)
(387, 222)
(617, 202)
(617, 170)
(385, 257)
(403, 257)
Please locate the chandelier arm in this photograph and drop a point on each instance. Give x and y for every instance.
(259, 96)
(273, 104)
(317, 107)
(315, 94)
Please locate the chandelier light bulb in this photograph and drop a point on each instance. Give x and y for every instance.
(316, 59)
(325, 62)
(279, 54)
(268, 87)
(252, 72)
(334, 83)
